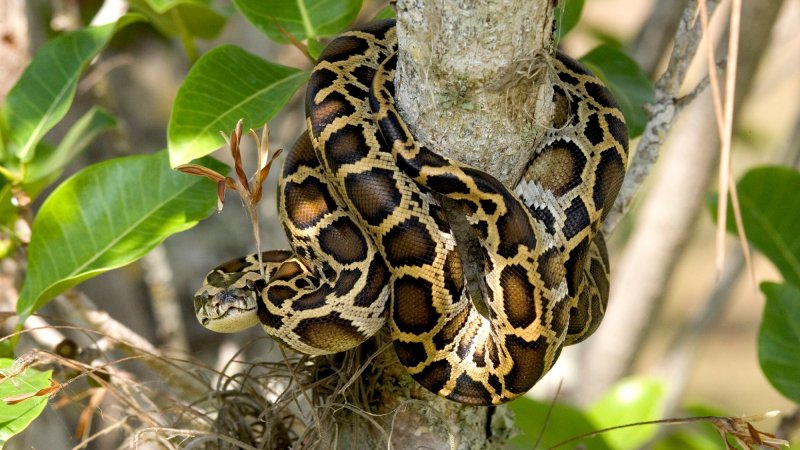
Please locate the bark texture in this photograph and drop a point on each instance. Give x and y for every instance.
(465, 79)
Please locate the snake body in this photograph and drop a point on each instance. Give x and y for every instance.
(371, 243)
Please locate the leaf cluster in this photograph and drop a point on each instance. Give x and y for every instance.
(770, 207)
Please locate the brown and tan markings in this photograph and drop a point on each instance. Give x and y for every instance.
(370, 242)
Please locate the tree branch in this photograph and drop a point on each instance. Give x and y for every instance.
(663, 111)
(170, 327)
(676, 199)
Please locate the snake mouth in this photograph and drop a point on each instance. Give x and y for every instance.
(226, 311)
(232, 312)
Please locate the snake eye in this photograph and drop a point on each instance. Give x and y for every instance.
(255, 285)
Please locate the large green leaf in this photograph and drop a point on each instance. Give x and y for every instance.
(779, 338)
(769, 197)
(51, 162)
(171, 17)
(45, 90)
(44, 93)
(629, 401)
(564, 422)
(225, 85)
(106, 216)
(627, 83)
(302, 18)
(15, 418)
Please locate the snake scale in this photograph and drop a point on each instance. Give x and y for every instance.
(371, 244)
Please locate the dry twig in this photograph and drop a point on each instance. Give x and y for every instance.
(663, 111)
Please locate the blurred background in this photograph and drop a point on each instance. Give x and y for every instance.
(670, 313)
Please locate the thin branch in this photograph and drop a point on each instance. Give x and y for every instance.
(661, 239)
(130, 342)
(662, 226)
(738, 428)
(663, 111)
(164, 300)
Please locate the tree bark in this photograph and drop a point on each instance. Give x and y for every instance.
(458, 79)
(468, 87)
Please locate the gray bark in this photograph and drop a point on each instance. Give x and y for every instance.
(468, 87)
(458, 79)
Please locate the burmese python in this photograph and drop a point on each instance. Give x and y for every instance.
(371, 243)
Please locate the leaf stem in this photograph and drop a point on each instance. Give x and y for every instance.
(184, 35)
(301, 6)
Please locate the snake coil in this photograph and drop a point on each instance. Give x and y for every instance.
(370, 243)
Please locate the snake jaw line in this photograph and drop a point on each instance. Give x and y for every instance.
(228, 311)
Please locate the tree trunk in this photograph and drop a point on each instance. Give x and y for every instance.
(458, 83)
(467, 86)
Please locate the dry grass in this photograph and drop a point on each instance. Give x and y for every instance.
(140, 399)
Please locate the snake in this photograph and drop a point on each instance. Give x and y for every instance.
(360, 200)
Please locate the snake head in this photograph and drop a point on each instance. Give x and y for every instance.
(228, 302)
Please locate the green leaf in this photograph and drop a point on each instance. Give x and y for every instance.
(565, 422)
(172, 17)
(690, 437)
(567, 16)
(3, 153)
(45, 90)
(15, 418)
(315, 47)
(630, 400)
(162, 6)
(302, 18)
(387, 12)
(6, 348)
(80, 135)
(106, 216)
(629, 85)
(225, 85)
(770, 206)
(8, 210)
(779, 338)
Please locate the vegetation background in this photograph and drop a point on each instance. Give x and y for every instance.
(681, 334)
